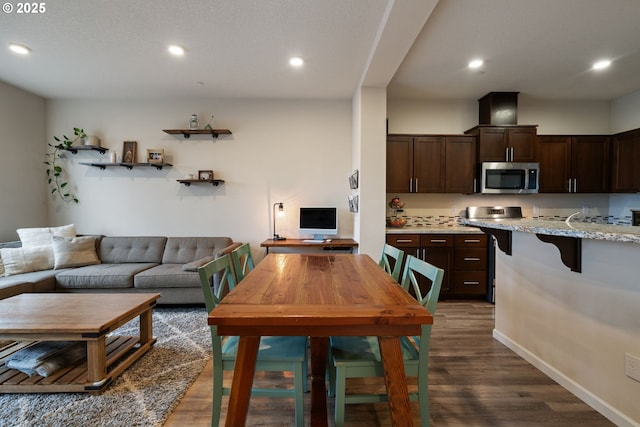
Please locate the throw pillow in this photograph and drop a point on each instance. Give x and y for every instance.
(74, 251)
(195, 265)
(25, 260)
(31, 237)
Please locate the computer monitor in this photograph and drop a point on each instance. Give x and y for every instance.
(319, 221)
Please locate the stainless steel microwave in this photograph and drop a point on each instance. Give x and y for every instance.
(508, 178)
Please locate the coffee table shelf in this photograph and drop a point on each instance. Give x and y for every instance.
(121, 351)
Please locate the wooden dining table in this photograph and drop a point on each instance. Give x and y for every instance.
(319, 295)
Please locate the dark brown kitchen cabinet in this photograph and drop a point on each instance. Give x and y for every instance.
(463, 257)
(430, 164)
(460, 164)
(415, 164)
(505, 143)
(625, 162)
(573, 164)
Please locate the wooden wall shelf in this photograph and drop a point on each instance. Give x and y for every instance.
(75, 148)
(186, 133)
(188, 182)
(129, 166)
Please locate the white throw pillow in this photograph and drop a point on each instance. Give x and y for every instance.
(74, 251)
(31, 237)
(25, 260)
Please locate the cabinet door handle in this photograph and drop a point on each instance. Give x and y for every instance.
(569, 185)
(475, 185)
(506, 154)
(472, 240)
(438, 241)
(404, 241)
(416, 185)
(575, 185)
(471, 259)
(513, 155)
(470, 283)
(410, 185)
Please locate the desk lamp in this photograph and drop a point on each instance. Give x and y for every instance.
(280, 206)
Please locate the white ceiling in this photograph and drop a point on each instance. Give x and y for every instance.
(240, 48)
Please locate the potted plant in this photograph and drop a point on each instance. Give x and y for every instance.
(55, 173)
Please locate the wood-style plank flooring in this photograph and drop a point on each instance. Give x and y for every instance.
(473, 381)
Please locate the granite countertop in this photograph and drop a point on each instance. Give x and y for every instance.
(433, 229)
(584, 230)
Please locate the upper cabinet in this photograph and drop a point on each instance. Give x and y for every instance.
(625, 158)
(430, 164)
(505, 143)
(573, 164)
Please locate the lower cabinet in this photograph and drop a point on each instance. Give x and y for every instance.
(463, 257)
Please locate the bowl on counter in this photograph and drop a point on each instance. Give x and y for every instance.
(397, 222)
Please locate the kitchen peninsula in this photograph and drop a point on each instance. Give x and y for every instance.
(572, 324)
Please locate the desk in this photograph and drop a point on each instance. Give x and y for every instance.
(300, 243)
(319, 295)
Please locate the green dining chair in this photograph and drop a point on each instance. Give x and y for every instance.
(285, 354)
(358, 357)
(242, 261)
(391, 260)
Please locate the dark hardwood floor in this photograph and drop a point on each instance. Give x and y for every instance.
(473, 381)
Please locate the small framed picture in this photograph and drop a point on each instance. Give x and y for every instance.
(129, 149)
(205, 175)
(155, 155)
(353, 180)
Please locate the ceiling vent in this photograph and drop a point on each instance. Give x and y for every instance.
(498, 108)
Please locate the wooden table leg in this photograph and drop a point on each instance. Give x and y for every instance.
(244, 370)
(96, 359)
(319, 352)
(146, 328)
(396, 381)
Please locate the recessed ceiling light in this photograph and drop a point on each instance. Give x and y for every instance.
(601, 65)
(176, 50)
(476, 63)
(296, 61)
(18, 48)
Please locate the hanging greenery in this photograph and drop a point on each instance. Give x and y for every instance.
(55, 173)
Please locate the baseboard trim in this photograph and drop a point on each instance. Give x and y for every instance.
(608, 411)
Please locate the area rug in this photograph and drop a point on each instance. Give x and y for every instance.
(143, 395)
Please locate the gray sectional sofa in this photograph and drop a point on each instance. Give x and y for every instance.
(167, 265)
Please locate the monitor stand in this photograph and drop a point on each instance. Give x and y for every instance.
(317, 238)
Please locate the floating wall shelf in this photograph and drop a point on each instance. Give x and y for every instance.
(129, 166)
(75, 148)
(188, 182)
(188, 132)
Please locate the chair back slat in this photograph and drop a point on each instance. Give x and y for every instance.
(242, 261)
(391, 260)
(221, 267)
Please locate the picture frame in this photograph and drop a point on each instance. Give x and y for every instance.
(353, 203)
(205, 175)
(353, 180)
(155, 155)
(129, 151)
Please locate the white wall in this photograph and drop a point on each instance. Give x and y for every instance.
(625, 113)
(297, 152)
(576, 327)
(22, 173)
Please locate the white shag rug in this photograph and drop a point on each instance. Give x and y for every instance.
(143, 395)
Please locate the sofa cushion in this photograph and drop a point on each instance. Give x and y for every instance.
(74, 251)
(116, 250)
(101, 276)
(166, 276)
(181, 250)
(25, 260)
(31, 237)
(195, 265)
(37, 281)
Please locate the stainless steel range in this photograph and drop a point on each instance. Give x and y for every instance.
(494, 212)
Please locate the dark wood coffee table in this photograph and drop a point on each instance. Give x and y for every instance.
(92, 318)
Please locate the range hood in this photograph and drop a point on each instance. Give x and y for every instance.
(498, 108)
